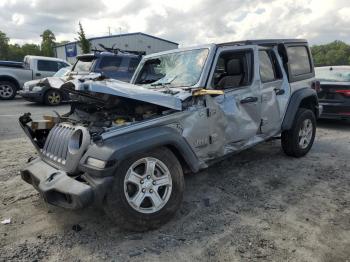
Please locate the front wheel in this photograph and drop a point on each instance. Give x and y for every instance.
(52, 97)
(299, 139)
(147, 190)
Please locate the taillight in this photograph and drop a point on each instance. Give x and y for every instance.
(316, 86)
(343, 92)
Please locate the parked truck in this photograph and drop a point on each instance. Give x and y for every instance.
(14, 74)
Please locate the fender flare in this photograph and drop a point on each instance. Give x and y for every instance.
(294, 104)
(10, 79)
(116, 149)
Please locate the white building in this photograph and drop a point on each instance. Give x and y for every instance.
(132, 41)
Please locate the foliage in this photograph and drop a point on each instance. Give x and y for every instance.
(84, 44)
(48, 43)
(4, 45)
(15, 52)
(334, 53)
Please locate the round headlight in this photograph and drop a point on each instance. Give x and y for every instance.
(75, 141)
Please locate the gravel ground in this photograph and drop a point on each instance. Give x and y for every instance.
(256, 206)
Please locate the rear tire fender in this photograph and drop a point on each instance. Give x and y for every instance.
(306, 98)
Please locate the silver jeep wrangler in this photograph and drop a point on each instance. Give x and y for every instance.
(127, 146)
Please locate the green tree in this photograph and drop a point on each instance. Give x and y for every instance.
(15, 53)
(84, 44)
(31, 49)
(48, 43)
(4, 46)
(334, 53)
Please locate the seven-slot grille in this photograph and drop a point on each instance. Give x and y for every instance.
(56, 144)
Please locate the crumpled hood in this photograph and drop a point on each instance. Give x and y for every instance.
(32, 82)
(123, 89)
(55, 82)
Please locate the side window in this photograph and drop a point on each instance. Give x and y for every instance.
(270, 69)
(233, 70)
(133, 63)
(298, 60)
(62, 65)
(267, 72)
(49, 66)
(110, 63)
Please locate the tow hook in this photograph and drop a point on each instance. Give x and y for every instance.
(30, 159)
(52, 176)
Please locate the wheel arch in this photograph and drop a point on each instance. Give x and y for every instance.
(116, 149)
(303, 98)
(10, 79)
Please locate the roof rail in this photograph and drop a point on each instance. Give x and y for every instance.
(264, 42)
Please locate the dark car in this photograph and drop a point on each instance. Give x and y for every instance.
(120, 66)
(334, 91)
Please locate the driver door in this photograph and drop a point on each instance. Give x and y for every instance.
(234, 72)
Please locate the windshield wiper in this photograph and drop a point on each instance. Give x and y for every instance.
(161, 84)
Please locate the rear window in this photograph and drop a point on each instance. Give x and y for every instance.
(111, 63)
(50, 66)
(330, 74)
(298, 60)
(82, 66)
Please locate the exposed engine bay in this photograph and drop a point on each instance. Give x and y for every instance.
(96, 112)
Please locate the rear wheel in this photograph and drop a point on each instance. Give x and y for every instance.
(147, 190)
(299, 139)
(52, 97)
(7, 90)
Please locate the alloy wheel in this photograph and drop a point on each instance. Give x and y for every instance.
(305, 133)
(54, 98)
(148, 185)
(6, 91)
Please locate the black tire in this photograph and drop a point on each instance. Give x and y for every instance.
(123, 214)
(52, 97)
(8, 90)
(290, 139)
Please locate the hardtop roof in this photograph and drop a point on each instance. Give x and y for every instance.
(104, 53)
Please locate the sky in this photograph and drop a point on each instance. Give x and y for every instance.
(187, 22)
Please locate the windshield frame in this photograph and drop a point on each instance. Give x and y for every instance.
(203, 74)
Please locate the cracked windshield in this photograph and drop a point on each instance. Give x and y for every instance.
(179, 69)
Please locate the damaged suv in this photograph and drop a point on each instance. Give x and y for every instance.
(126, 146)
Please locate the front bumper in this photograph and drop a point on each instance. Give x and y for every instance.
(32, 96)
(59, 189)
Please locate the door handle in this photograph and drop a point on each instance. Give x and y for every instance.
(38, 74)
(279, 91)
(249, 99)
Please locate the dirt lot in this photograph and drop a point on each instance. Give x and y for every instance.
(257, 206)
